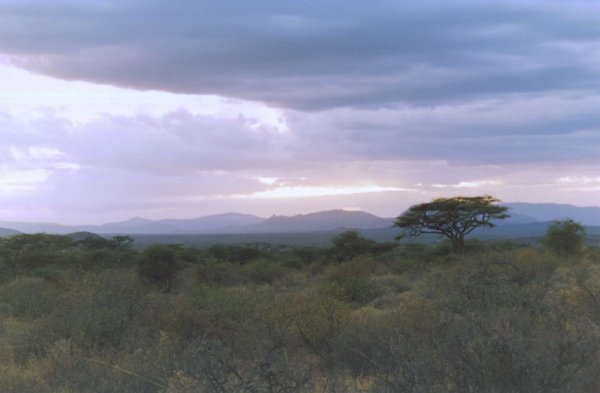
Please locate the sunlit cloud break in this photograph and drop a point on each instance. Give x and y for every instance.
(308, 191)
(469, 184)
(21, 180)
(579, 180)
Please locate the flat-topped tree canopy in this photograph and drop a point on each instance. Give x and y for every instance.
(453, 218)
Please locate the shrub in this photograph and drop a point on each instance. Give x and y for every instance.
(29, 297)
(350, 244)
(99, 313)
(352, 282)
(244, 254)
(262, 272)
(53, 276)
(565, 238)
(220, 273)
(212, 312)
(320, 319)
(307, 254)
(158, 264)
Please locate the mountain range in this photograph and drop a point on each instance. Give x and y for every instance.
(331, 220)
(552, 211)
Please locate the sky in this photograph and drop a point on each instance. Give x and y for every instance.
(178, 109)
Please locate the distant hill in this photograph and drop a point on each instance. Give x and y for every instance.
(516, 219)
(219, 223)
(79, 236)
(135, 222)
(321, 221)
(8, 232)
(552, 211)
(33, 227)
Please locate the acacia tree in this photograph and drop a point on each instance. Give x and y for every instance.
(453, 218)
(25, 252)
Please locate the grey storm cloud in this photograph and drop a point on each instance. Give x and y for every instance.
(516, 130)
(312, 55)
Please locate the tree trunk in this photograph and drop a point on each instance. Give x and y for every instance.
(459, 244)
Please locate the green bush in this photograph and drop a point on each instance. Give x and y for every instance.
(262, 272)
(29, 297)
(100, 313)
(213, 312)
(54, 276)
(240, 254)
(565, 238)
(352, 282)
(158, 264)
(307, 254)
(70, 369)
(219, 273)
(350, 244)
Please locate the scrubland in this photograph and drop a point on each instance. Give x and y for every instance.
(93, 315)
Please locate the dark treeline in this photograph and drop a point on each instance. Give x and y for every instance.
(86, 314)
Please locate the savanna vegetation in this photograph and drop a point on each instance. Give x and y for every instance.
(85, 314)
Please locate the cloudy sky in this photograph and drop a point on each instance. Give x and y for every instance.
(111, 109)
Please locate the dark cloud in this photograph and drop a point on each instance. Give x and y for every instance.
(311, 55)
(519, 129)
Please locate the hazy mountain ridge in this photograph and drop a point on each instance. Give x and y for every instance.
(33, 227)
(516, 219)
(522, 215)
(551, 211)
(218, 223)
(8, 232)
(320, 221)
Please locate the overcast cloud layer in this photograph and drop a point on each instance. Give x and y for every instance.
(229, 101)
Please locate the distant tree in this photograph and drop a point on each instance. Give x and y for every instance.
(235, 253)
(90, 241)
(350, 244)
(383, 248)
(97, 252)
(565, 237)
(158, 264)
(219, 252)
(24, 252)
(243, 254)
(122, 242)
(307, 254)
(453, 218)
